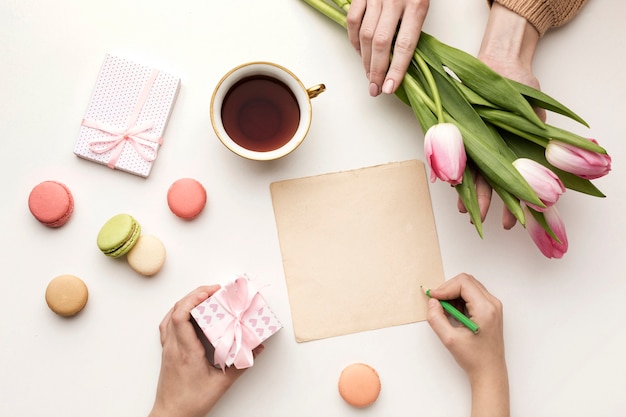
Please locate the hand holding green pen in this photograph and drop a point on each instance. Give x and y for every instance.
(481, 355)
(460, 317)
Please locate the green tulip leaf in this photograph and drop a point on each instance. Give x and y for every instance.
(526, 130)
(479, 77)
(537, 98)
(498, 169)
(401, 94)
(472, 97)
(464, 114)
(483, 144)
(467, 193)
(424, 115)
(515, 124)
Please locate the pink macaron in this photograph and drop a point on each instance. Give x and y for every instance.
(186, 198)
(51, 203)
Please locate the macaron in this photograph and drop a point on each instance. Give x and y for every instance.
(186, 198)
(51, 203)
(66, 295)
(359, 385)
(118, 235)
(147, 256)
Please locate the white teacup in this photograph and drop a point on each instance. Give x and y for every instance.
(261, 110)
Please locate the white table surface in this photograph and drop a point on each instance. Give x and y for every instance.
(564, 318)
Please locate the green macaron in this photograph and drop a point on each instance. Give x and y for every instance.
(118, 235)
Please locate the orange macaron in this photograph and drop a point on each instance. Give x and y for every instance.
(359, 385)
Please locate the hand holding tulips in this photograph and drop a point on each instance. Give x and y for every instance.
(371, 30)
(508, 47)
(484, 130)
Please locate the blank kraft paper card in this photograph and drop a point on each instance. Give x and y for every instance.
(356, 246)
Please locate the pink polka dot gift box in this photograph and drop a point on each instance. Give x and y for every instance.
(235, 320)
(127, 115)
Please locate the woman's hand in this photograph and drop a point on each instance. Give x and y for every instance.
(372, 26)
(480, 355)
(188, 385)
(508, 47)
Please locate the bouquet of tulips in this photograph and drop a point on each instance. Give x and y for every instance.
(477, 120)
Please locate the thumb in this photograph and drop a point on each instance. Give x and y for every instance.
(438, 321)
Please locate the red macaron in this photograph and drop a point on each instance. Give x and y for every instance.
(186, 198)
(51, 203)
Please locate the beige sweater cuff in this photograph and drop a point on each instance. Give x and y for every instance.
(544, 14)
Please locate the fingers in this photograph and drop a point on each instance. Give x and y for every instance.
(367, 32)
(541, 113)
(508, 219)
(460, 206)
(178, 316)
(258, 350)
(461, 286)
(164, 326)
(478, 300)
(382, 38)
(405, 44)
(354, 19)
(437, 319)
(380, 46)
(483, 193)
(372, 26)
(441, 325)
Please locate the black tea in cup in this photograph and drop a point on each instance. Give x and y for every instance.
(260, 113)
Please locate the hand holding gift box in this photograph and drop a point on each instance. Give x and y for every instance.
(236, 319)
(126, 117)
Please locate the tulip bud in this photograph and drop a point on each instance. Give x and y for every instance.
(586, 164)
(550, 247)
(542, 180)
(445, 153)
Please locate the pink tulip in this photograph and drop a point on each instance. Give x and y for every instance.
(550, 247)
(543, 181)
(585, 164)
(445, 153)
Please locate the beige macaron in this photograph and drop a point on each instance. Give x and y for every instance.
(147, 256)
(66, 295)
(359, 385)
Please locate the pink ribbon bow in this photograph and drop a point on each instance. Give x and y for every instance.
(135, 134)
(237, 339)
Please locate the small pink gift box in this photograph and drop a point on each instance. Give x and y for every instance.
(127, 115)
(235, 320)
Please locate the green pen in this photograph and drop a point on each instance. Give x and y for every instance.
(462, 318)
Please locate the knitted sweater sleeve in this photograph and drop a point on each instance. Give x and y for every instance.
(544, 14)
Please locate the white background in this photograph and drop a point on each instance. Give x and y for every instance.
(564, 319)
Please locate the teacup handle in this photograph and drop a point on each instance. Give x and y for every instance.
(316, 90)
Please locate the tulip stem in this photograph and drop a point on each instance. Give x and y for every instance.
(329, 11)
(432, 84)
(543, 142)
(426, 100)
(343, 4)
